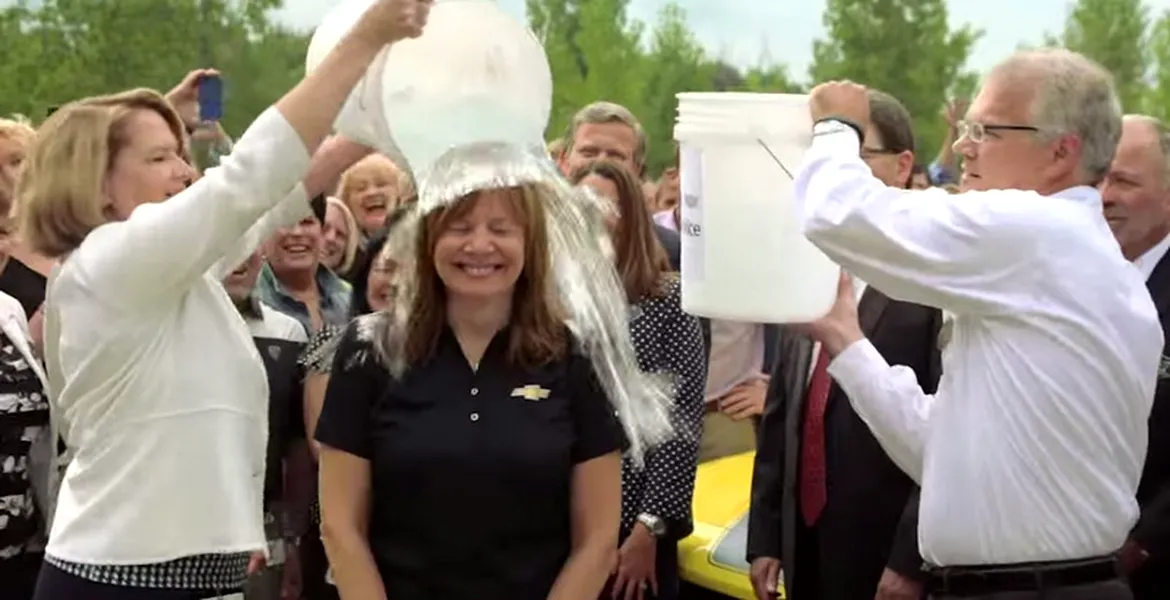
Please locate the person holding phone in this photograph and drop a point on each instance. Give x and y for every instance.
(158, 390)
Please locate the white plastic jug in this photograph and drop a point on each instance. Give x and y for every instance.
(744, 257)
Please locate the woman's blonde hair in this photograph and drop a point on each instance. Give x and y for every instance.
(372, 164)
(19, 129)
(61, 190)
(353, 237)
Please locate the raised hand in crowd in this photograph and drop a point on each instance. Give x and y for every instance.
(953, 110)
(184, 97)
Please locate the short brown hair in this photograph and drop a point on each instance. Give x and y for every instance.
(601, 113)
(60, 191)
(642, 263)
(538, 334)
(892, 122)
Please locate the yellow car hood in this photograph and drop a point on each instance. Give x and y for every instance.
(713, 557)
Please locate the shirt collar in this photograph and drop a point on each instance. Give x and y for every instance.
(1150, 259)
(1080, 193)
(328, 283)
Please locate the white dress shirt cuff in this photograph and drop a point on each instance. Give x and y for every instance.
(856, 365)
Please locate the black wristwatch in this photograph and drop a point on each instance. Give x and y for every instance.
(837, 125)
(655, 524)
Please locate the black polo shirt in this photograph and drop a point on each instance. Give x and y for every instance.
(471, 470)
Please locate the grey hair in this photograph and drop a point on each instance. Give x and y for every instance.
(600, 113)
(1163, 133)
(1074, 95)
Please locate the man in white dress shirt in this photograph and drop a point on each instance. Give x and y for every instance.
(1136, 197)
(1030, 453)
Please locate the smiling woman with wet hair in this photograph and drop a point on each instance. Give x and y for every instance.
(495, 398)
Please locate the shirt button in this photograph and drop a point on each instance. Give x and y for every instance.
(474, 417)
(474, 391)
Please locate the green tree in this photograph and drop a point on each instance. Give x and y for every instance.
(675, 63)
(1158, 98)
(594, 53)
(770, 78)
(904, 47)
(1113, 33)
(68, 49)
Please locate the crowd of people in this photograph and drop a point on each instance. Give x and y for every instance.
(297, 374)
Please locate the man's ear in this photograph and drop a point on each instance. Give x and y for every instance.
(906, 168)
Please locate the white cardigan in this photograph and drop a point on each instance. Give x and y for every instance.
(156, 385)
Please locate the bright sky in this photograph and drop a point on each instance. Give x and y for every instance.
(743, 30)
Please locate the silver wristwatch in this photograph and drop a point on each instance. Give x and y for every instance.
(656, 525)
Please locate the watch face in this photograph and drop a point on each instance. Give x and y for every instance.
(654, 524)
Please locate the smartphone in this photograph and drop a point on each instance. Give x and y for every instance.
(210, 98)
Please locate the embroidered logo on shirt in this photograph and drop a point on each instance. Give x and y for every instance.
(532, 393)
(274, 352)
(1164, 368)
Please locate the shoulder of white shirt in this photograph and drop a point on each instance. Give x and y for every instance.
(278, 325)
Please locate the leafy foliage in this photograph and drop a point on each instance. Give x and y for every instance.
(903, 47)
(59, 50)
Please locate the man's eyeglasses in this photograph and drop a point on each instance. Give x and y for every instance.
(977, 132)
(867, 152)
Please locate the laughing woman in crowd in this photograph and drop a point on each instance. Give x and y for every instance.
(340, 238)
(490, 468)
(656, 500)
(371, 189)
(158, 390)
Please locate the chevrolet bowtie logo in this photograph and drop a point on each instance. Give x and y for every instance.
(531, 393)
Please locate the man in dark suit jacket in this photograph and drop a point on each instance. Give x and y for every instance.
(1136, 200)
(671, 242)
(865, 536)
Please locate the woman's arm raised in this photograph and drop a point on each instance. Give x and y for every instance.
(164, 245)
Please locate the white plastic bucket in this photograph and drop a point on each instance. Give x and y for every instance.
(744, 257)
(362, 117)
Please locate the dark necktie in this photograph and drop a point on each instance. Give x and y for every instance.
(813, 493)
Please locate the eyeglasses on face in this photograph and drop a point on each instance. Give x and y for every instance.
(867, 152)
(977, 132)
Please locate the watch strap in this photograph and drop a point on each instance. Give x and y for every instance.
(856, 127)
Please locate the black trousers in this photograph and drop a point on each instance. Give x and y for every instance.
(1106, 590)
(18, 576)
(55, 584)
(314, 565)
